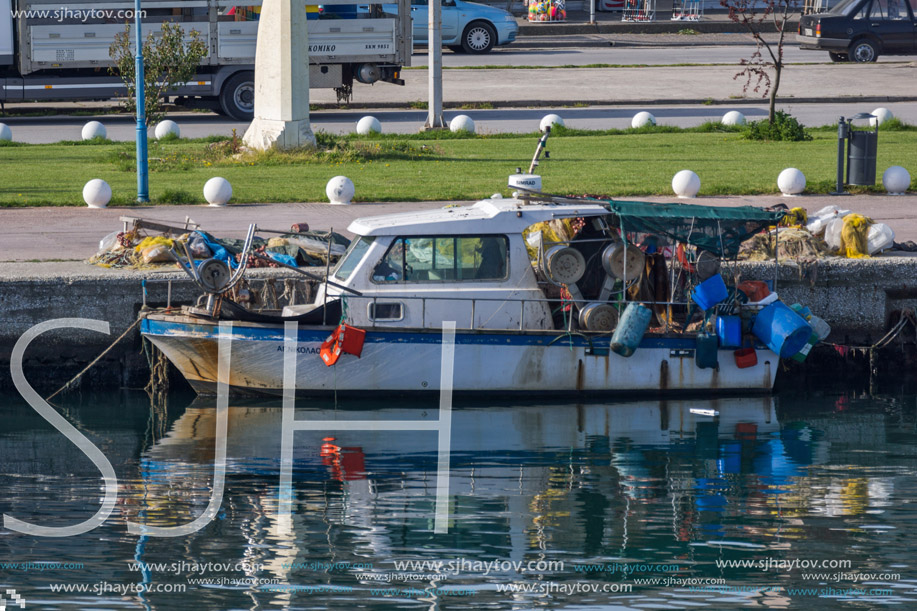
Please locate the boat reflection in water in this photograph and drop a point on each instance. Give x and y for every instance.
(531, 472)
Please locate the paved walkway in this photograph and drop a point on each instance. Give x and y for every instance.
(60, 234)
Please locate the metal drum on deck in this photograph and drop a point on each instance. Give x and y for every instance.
(622, 262)
(564, 265)
(598, 317)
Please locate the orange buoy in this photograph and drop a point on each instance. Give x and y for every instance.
(344, 339)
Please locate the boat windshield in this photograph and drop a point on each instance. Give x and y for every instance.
(352, 257)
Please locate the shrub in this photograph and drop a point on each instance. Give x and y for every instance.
(784, 128)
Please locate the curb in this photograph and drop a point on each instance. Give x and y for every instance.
(492, 105)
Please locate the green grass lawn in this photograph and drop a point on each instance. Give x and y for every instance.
(423, 167)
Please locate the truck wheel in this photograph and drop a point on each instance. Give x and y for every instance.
(479, 37)
(837, 57)
(237, 98)
(864, 51)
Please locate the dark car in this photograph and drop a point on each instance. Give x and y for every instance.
(861, 30)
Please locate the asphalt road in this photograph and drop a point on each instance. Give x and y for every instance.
(517, 120)
(619, 55)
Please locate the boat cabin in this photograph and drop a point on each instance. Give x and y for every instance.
(469, 264)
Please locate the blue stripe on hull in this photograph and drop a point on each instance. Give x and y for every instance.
(312, 334)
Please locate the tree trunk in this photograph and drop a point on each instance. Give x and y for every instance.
(773, 104)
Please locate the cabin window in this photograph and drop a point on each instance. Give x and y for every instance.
(444, 259)
(386, 311)
(352, 257)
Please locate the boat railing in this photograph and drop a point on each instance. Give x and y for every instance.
(473, 305)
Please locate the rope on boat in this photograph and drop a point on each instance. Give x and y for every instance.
(97, 359)
(158, 386)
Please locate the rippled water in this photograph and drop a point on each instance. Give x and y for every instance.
(575, 506)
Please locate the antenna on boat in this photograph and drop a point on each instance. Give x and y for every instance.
(528, 184)
(542, 143)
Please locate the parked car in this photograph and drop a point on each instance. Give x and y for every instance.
(467, 26)
(861, 30)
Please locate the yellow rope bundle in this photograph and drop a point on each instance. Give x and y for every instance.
(854, 236)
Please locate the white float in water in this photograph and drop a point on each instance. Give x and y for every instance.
(5, 132)
(552, 121)
(164, 128)
(340, 190)
(686, 184)
(896, 180)
(642, 119)
(217, 191)
(881, 115)
(733, 117)
(369, 125)
(462, 123)
(96, 193)
(791, 182)
(94, 129)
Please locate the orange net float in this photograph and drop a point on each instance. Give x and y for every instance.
(683, 259)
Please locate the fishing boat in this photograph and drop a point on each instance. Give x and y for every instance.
(546, 295)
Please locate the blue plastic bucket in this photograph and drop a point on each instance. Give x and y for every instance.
(729, 330)
(630, 329)
(783, 330)
(710, 292)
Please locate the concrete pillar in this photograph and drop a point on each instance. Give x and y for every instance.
(281, 79)
(435, 66)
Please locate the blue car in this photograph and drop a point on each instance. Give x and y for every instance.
(467, 26)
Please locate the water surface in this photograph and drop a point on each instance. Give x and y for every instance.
(805, 500)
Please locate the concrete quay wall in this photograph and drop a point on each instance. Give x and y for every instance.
(856, 297)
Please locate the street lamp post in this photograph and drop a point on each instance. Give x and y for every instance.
(143, 187)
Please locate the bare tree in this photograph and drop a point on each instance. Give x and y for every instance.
(168, 60)
(756, 16)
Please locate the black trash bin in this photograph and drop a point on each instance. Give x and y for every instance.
(861, 152)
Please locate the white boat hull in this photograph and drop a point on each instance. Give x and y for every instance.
(404, 361)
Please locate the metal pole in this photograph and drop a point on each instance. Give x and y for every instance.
(435, 62)
(592, 11)
(143, 187)
(841, 137)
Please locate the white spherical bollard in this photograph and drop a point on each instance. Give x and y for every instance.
(881, 116)
(340, 190)
(642, 119)
(96, 193)
(164, 128)
(217, 191)
(5, 132)
(896, 180)
(733, 117)
(686, 184)
(369, 125)
(552, 121)
(791, 182)
(462, 123)
(94, 129)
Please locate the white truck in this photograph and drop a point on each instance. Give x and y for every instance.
(60, 51)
